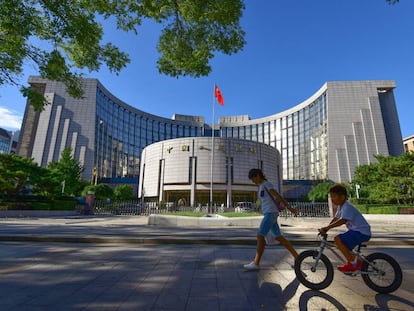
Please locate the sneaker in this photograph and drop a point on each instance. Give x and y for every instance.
(251, 266)
(349, 267)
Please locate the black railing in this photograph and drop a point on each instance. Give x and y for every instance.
(135, 207)
(308, 209)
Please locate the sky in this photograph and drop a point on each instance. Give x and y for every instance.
(292, 48)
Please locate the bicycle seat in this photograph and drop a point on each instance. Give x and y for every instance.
(358, 247)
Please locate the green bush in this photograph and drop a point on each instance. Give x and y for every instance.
(380, 208)
(64, 205)
(18, 205)
(41, 204)
(101, 191)
(123, 192)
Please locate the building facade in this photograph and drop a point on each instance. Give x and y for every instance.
(8, 141)
(409, 143)
(342, 125)
(201, 171)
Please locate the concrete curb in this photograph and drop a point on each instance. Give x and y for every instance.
(185, 221)
(167, 229)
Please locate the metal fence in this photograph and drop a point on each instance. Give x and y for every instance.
(135, 207)
(309, 209)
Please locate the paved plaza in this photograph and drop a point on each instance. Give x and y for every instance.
(122, 263)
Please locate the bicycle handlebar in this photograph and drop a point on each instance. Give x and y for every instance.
(323, 234)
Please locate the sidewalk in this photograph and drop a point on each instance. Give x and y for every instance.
(157, 229)
(122, 263)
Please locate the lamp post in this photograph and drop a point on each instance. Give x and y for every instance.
(99, 145)
(357, 187)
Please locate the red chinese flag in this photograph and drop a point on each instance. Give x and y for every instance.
(218, 95)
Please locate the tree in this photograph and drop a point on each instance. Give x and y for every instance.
(366, 177)
(19, 175)
(123, 192)
(66, 173)
(389, 180)
(63, 38)
(320, 192)
(101, 191)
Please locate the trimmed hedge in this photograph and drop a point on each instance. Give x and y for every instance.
(42, 205)
(380, 208)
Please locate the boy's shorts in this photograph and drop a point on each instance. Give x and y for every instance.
(269, 222)
(353, 238)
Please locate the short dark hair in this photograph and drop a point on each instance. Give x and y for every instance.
(256, 172)
(339, 189)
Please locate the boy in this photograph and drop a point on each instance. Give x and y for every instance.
(270, 215)
(358, 228)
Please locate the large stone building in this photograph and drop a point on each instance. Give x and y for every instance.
(342, 125)
(203, 170)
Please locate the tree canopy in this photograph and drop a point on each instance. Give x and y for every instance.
(320, 192)
(21, 176)
(123, 192)
(101, 191)
(64, 38)
(66, 173)
(389, 180)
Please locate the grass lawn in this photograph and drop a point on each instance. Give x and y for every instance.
(240, 214)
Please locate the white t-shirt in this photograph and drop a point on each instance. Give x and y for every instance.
(354, 219)
(268, 206)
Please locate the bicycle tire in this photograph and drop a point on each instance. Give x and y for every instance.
(316, 280)
(390, 281)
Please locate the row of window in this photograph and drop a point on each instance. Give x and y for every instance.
(122, 134)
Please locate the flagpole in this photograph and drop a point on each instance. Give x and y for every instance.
(212, 152)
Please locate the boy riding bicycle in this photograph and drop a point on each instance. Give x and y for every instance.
(359, 230)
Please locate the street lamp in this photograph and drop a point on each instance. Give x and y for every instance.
(98, 148)
(357, 187)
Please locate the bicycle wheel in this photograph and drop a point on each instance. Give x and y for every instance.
(385, 275)
(315, 279)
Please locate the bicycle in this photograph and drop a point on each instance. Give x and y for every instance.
(379, 271)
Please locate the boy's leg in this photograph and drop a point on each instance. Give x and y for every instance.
(347, 241)
(265, 226)
(259, 248)
(344, 249)
(282, 240)
(287, 245)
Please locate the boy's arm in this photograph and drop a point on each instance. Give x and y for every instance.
(293, 210)
(278, 197)
(336, 222)
(333, 220)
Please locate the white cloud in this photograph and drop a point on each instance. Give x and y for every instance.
(9, 119)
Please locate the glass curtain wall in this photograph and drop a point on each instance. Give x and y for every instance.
(122, 133)
(301, 138)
